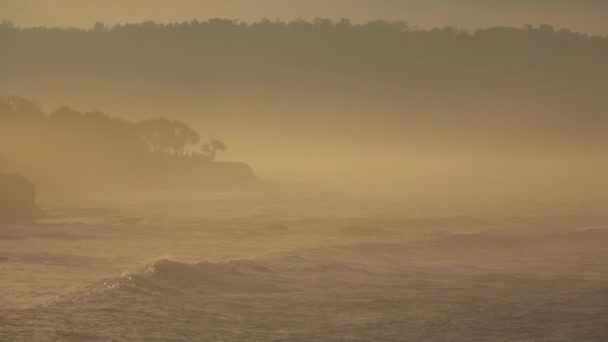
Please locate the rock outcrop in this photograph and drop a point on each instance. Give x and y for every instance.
(17, 199)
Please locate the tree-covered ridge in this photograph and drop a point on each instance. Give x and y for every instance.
(503, 85)
(160, 135)
(222, 50)
(91, 150)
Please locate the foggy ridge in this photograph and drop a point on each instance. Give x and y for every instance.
(67, 150)
(530, 96)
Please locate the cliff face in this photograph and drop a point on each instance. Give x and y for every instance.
(17, 199)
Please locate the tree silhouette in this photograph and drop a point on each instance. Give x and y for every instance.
(209, 150)
(168, 136)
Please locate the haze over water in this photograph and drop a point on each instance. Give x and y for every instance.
(303, 171)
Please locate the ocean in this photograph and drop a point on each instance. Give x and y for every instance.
(246, 268)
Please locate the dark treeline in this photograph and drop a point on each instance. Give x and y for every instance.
(222, 50)
(67, 150)
(502, 85)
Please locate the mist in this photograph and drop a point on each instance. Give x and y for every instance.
(303, 171)
(514, 112)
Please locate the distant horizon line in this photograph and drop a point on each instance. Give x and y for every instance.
(407, 26)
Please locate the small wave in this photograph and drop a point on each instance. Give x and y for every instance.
(57, 259)
(12, 237)
(365, 231)
(167, 277)
(322, 266)
(65, 236)
(477, 240)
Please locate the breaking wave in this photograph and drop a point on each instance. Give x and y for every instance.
(386, 291)
(278, 272)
